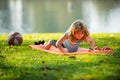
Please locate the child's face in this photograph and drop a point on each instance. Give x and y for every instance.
(78, 35)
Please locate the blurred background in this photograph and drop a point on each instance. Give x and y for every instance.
(49, 16)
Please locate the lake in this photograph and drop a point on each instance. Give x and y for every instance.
(49, 16)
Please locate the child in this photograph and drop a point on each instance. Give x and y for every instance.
(72, 37)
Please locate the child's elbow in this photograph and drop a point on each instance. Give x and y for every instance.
(58, 45)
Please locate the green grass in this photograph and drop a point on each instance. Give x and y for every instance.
(24, 63)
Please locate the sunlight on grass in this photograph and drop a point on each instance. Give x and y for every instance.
(41, 36)
(24, 63)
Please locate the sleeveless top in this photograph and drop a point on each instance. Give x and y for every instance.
(71, 47)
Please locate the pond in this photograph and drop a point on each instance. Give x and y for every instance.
(49, 16)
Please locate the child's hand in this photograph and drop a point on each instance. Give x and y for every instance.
(97, 48)
(106, 48)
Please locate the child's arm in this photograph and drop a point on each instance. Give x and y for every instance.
(91, 41)
(60, 42)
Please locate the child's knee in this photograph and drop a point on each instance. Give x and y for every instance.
(49, 42)
(53, 42)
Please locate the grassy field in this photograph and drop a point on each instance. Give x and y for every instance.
(24, 63)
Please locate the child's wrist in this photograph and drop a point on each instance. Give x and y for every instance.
(91, 49)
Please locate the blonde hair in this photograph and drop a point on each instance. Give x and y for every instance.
(78, 25)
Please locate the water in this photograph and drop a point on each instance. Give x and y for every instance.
(41, 16)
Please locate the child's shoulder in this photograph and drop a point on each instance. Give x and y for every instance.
(66, 33)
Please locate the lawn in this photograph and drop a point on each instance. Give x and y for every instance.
(24, 63)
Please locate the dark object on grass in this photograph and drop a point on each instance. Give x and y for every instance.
(39, 42)
(43, 62)
(45, 68)
(73, 57)
(36, 43)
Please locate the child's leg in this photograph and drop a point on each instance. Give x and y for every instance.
(50, 43)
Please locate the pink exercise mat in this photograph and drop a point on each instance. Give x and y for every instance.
(55, 50)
